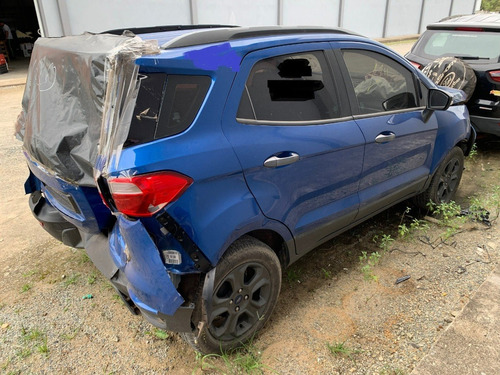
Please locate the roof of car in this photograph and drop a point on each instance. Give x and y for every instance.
(192, 35)
(487, 21)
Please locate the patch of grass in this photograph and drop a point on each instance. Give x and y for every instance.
(29, 273)
(158, 333)
(84, 258)
(31, 335)
(384, 241)
(26, 287)
(445, 211)
(389, 370)
(473, 152)
(245, 360)
(369, 261)
(24, 353)
(43, 348)
(91, 279)
(71, 335)
(326, 274)
(33, 338)
(71, 279)
(341, 349)
(293, 275)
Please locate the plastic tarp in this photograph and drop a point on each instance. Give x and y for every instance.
(78, 101)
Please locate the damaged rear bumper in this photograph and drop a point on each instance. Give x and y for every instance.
(131, 261)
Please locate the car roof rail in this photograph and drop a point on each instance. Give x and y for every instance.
(226, 34)
(164, 28)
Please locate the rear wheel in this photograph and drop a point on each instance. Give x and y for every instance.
(445, 181)
(245, 290)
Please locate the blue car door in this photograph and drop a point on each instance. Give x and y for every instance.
(388, 102)
(300, 151)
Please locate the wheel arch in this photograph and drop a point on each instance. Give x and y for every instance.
(276, 242)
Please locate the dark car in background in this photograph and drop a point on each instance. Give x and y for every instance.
(475, 39)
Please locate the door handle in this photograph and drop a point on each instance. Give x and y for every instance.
(278, 161)
(387, 137)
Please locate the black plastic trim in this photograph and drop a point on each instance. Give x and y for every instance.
(53, 222)
(164, 28)
(227, 34)
(201, 262)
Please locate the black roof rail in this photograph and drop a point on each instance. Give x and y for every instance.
(158, 29)
(218, 35)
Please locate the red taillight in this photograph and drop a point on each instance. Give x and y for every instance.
(469, 29)
(144, 195)
(416, 65)
(495, 75)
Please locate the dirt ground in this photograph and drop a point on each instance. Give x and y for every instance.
(59, 316)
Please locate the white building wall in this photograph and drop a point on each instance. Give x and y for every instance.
(373, 18)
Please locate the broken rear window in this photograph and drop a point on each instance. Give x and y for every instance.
(166, 105)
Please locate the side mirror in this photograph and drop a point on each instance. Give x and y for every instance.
(438, 100)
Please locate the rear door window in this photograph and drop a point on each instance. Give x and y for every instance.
(288, 88)
(166, 105)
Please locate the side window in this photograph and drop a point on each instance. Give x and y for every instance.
(296, 87)
(380, 83)
(166, 105)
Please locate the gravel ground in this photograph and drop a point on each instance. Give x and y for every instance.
(59, 316)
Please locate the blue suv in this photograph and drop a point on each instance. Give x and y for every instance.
(195, 172)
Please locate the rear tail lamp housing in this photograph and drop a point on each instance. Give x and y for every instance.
(144, 195)
(416, 65)
(495, 75)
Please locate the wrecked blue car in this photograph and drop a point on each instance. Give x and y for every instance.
(194, 164)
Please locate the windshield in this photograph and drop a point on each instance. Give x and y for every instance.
(468, 45)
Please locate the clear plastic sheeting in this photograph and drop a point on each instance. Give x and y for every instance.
(78, 102)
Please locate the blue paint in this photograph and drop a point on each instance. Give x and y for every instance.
(215, 57)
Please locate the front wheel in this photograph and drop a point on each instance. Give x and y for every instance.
(444, 183)
(245, 290)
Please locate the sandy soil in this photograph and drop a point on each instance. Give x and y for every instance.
(47, 326)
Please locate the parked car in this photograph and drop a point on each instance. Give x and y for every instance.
(241, 150)
(476, 40)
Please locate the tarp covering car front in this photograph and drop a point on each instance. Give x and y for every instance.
(79, 97)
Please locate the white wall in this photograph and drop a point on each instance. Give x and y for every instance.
(318, 12)
(373, 18)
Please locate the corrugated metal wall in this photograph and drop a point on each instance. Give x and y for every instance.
(373, 18)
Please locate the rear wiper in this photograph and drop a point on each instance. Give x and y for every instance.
(472, 58)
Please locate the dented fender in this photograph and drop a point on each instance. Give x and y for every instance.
(137, 257)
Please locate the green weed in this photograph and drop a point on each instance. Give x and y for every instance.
(384, 242)
(341, 349)
(389, 370)
(293, 275)
(43, 348)
(159, 334)
(71, 279)
(370, 261)
(326, 274)
(245, 360)
(26, 287)
(71, 335)
(473, 152)
(91, 279)
(84, 258)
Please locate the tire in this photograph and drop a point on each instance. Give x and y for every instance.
(444, 183)
(245, 291)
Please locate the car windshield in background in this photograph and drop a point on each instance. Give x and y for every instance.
(468, 45)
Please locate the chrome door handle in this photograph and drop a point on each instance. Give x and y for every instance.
(278, 161)
(382, 138)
